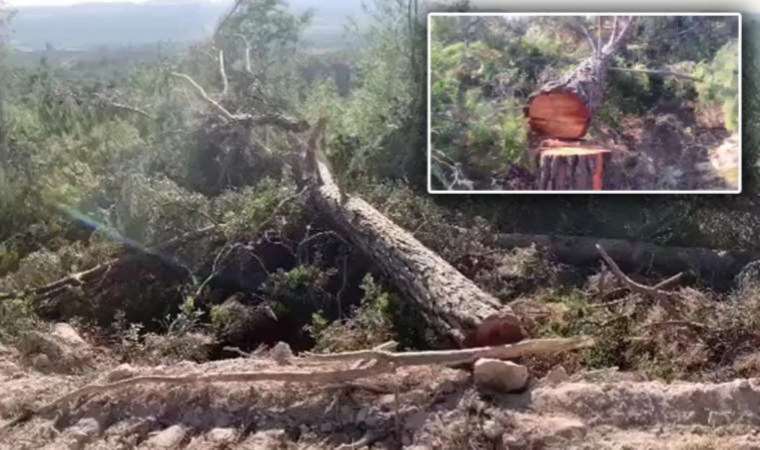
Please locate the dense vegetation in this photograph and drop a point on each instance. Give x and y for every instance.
(483, 70)
(92, 167)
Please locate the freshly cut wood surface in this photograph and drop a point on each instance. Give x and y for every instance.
(574, 151)
(559, 114)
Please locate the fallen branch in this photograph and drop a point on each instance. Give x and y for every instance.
(123, 107)
(223, 74)
(648, 291)
(275, 119)
(714, 267)
(657, 72)
(79, 278)
(382, 362)
(615, 293)
(247, 54)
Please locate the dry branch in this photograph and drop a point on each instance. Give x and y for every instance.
(382, 362)
(223, 74)
(713, 266)
(124, 107)
(247, 54)
(657, 72)
(76, 279)
(275, 119)
(648, 291)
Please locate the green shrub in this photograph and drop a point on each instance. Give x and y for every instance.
(369, 325)
(300, 291)
(719, 83)
(17, 316)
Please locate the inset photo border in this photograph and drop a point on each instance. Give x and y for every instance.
(584, 103)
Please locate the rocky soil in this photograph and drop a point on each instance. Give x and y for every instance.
(435, 408)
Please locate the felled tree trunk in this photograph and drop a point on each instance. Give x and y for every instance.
(563, 108)
(716, 268)
(452, 304)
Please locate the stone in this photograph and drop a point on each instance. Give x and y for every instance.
(222, 435)
(84, 430)
(65, 350)
(170, 437)
(493, 429)
(500, 376)
(281, 354)
(68, 334)
(556, 375)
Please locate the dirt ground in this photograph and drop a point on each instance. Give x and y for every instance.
(436, 408)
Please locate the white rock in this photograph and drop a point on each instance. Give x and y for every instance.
(501, 376)
(492, 429)
(68, 334)
(222, 435)
(167, 438)
(556, 375)
(84, 430)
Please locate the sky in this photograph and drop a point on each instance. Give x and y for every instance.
(517, 5)
(23, 3)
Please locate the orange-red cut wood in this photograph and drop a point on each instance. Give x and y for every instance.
(559, 114)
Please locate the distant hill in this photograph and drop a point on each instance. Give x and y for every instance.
(86, 26)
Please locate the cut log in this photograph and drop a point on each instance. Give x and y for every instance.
(572, 168)
(452, 304)
(563, 108)
(715, 268)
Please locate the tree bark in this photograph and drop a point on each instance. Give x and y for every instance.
(570, 168)
(716, 268)
(454, 306)
(563, 108)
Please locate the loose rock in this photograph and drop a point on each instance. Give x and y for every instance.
(501, 376)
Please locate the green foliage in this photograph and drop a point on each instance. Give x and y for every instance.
(269, 203)
(17, 316)
(719, 83)
(384, 116)
(299, 292)
(381, 316)
(370, 324)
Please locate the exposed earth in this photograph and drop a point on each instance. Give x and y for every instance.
(436, 408)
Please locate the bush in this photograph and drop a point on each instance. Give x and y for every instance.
(719, 84)
(370, 324)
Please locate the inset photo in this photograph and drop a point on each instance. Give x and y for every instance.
(592, 103)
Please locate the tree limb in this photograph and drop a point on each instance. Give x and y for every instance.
(382, 362)
(79, 278)
(275, 119)
(204, 95)
(223, 74)
(247, 56)
(614, 30)
(648, 291)
(657, 72)
(622, 36)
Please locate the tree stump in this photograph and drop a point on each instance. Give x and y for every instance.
(572, 168)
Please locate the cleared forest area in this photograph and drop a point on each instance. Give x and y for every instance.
(233, 247)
